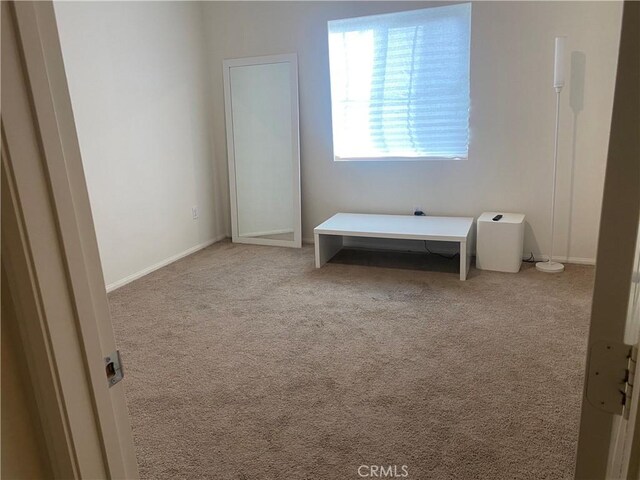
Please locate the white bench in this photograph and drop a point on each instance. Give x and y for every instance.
(329, 235)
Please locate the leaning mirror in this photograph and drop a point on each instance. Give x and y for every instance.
(261, 110)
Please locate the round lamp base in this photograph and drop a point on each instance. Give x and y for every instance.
(550, 267)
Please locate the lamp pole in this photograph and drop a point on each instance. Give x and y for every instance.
(558, 82)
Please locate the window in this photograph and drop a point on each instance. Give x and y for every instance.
(400, 85)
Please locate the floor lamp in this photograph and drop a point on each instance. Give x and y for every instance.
(558, 82)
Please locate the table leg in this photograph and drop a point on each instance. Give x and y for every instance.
(326, 246)
(465, 260)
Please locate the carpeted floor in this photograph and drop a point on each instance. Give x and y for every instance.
(245, 362)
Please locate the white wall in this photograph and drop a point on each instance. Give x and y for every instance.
(512, 115)
(138, 79)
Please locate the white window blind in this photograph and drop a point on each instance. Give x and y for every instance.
(400, 84)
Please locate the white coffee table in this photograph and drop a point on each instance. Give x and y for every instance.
(329, 234)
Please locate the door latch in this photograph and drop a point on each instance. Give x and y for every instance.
(113, 368)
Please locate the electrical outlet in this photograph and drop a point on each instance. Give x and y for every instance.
(194, 212)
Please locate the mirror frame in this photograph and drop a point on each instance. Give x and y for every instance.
(292, 59)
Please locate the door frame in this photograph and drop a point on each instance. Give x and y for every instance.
(227, 65)
(50, 255)
(616, 246)
(624, 460)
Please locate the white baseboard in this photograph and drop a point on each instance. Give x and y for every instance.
(130, 278)
(308, 241)
(574, 260)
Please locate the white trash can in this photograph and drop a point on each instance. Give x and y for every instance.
(500, 242)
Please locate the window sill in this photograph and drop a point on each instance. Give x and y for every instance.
(397, 159)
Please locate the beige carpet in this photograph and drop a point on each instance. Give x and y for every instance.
(245, 362)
